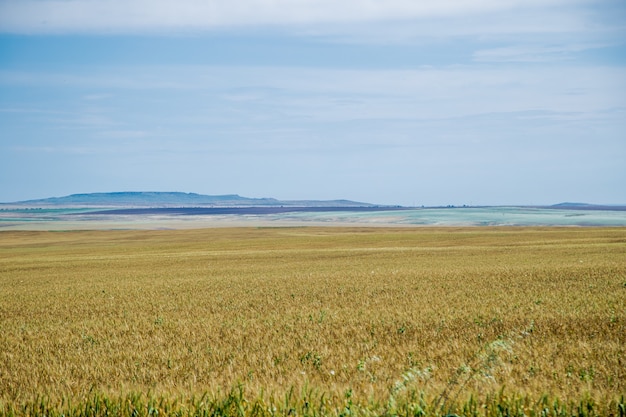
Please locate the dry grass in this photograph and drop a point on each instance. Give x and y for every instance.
(349, 315)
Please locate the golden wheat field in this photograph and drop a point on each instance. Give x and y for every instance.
(314, 321)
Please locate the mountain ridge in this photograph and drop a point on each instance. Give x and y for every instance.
(123, 199)
(178, 199)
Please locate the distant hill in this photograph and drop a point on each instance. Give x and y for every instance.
(571, 205)
(174, 199)
(586, 206)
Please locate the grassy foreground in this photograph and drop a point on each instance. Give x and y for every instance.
(314, 321)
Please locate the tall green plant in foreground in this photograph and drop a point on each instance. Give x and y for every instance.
(235, 403)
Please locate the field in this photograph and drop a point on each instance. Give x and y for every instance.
(314, 321)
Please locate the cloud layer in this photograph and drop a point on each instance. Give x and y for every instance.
(89, 16)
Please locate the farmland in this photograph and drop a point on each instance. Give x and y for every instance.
(313, 320)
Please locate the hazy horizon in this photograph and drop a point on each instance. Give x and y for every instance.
(396, 102)
(191, 193)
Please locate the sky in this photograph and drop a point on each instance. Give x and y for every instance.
(408, 102)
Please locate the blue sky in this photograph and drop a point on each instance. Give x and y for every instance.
(389, 102)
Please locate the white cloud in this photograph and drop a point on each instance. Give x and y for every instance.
(296, 105)
(337, 93)
(532, 53)
(97, 96)
(49, 16)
